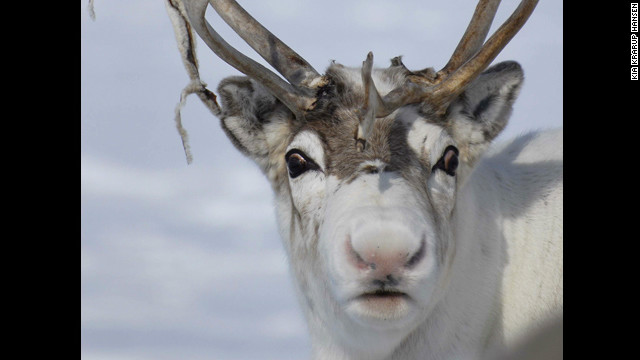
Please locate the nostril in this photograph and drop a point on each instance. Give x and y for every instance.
(415, 259)
(355, 257)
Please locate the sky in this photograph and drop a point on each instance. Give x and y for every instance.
(184, 261)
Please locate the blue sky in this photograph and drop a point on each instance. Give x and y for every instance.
(184, 262)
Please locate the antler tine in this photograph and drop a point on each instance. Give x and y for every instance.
(286, 61)
(372, 99)
(455, 83)
(446, 88)
(294, 99)
(474, 36)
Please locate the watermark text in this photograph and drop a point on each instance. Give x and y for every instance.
(634, 41)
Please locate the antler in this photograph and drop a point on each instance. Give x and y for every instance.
(298, 94)
(372, 99)
(286, 61)
(467, 62)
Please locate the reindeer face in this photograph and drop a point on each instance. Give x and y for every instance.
(377, 220)
(367, 226)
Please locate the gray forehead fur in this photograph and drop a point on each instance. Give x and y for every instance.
(480, 113)
(336, 117)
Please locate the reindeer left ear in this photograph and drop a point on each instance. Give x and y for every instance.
(255, 122)
(481, 112)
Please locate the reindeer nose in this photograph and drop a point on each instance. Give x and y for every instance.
(385, 250)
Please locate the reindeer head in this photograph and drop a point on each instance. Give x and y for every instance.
(365, 163)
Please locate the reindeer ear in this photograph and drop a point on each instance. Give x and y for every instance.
(481, 112)
(253, 119)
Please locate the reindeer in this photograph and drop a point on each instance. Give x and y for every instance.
(408, 236)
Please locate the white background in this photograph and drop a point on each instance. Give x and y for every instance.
(184, 262)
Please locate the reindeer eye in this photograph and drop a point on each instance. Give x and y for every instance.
(298, 162)
(449, 161)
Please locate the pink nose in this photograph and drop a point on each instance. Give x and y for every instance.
(384, 252)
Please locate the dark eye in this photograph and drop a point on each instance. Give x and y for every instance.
(298, 162)
(449, 161)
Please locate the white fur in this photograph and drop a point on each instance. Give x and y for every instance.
(463, 306)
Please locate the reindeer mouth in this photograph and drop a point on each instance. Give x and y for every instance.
(382, 294)
(381, 305)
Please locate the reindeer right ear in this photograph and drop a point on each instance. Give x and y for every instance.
(482, 111)
(253, 119)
